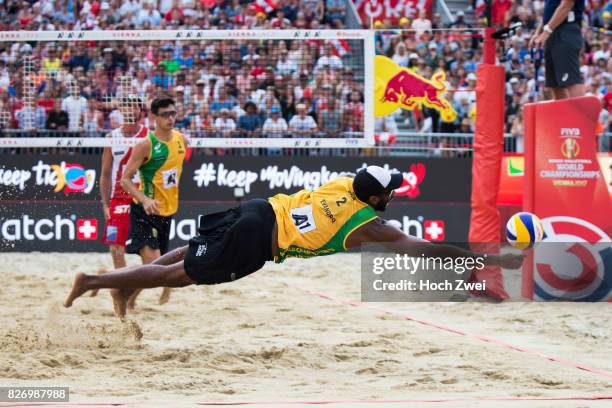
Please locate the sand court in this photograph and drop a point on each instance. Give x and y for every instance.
(293, 332)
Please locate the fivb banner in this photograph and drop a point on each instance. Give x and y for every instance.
(565, 186)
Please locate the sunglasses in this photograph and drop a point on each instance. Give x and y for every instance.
(167, 114)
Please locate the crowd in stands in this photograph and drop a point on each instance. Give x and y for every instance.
(226, 88)
(459, 53)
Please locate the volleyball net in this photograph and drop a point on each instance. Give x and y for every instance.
(232, 88)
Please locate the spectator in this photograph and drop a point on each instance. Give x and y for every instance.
(162, 79)
(57, 118)
(183, 120)
(286, 66)
(80, 58)
(353, 113)
(203, 120)
(518, 130)
(274, 127)
(468, 90)
(331, 119)
(31, 116)
(148, 15)
(401, 55)
(223, 101)
(335, 10)
(329, 58)
(75, 105)
(421, 24)
(93, 120)
(51, 64)
(250, 122)
(224, 124)
(301, 124)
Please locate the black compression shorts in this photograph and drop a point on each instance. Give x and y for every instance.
(150, 230)
(231, 244)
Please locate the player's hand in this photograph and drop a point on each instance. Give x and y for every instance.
(540, 40)
(106, 213)
(506, 261)
(150, 206)
(532, 41)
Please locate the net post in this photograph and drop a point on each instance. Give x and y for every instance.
(368, 94)
(488, 54)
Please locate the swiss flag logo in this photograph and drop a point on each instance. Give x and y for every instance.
(87, 229)
(434, 230)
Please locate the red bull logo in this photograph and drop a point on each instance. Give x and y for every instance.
(399, 87)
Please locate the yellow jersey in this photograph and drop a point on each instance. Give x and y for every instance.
(318, 222)
(161, 172)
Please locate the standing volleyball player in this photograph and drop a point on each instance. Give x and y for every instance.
(159, 160)
(116, 201)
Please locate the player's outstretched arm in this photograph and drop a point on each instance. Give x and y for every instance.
(379, 231)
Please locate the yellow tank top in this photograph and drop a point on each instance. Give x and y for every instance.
(161, 173)
(318, 222)
(51, 65)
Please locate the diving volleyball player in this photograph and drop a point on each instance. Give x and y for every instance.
(339, 215)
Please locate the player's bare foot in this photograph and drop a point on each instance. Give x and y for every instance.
(120, 299)
(165, 296)
(131, 303)
(100, 271)
(79, 287)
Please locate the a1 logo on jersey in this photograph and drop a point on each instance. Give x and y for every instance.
(303, 219)
(170, 178)
(87, 229)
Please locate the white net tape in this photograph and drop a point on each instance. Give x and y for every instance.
(83, 142)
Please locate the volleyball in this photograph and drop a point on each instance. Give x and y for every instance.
(523, 230)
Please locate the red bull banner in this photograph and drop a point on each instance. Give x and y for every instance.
(565, 186)
(391, 10)
(397, 86)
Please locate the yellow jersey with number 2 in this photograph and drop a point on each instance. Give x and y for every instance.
(318, 222)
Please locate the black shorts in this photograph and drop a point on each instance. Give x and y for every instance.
(150, 230)
(562, 56)
(231, 244)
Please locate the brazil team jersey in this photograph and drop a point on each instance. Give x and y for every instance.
(161, 173)
(318, 222)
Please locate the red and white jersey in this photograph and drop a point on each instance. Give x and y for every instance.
(121, 155)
